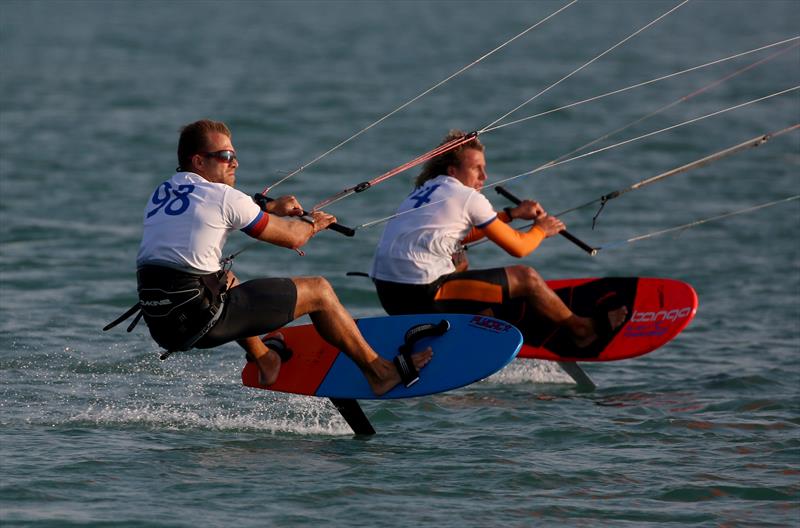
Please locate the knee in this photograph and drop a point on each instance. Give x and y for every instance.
(320, 290)
(324, 287)
(527, 279)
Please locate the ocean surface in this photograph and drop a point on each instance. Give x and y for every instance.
(95, 430)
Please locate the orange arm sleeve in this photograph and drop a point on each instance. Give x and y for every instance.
(477, 233)
(515, 243)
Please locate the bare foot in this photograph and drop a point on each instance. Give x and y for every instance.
(616, 318)
(269, 364)
(384, 376)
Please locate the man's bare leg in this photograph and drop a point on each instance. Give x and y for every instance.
(316, 297)
(268, 361)
(526, 282)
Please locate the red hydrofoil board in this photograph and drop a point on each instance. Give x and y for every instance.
(658, 310)
(474, 348)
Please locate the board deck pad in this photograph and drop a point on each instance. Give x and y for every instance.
(658, 310)
(474, 348)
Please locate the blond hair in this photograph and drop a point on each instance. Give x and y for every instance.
(437, 166)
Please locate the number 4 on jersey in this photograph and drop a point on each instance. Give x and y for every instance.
(423, 196)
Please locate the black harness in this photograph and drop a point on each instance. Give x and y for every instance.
(179, 308)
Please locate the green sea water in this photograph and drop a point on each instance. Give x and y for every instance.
(95, 430)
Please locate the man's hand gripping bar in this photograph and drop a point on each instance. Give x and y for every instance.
(575, 240)
(262, 202)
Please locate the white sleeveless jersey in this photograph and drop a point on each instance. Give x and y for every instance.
(187, 221)
(417, 246)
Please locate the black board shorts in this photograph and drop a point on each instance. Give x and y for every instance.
(253, 308)
(470, 292)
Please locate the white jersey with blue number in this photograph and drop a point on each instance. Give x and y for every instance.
(417, 246)
(187, 221)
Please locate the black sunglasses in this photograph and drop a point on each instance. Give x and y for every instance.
(226, 156)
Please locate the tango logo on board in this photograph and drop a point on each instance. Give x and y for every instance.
(654, 324)
(663, 315)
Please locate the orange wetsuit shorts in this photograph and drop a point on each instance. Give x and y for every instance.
(473, 292)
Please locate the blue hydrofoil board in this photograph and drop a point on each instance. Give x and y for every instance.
(472, 349)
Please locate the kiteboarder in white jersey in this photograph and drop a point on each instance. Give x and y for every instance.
(189, 300)
(420, 266)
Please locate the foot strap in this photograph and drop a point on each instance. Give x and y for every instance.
(599, 316)
(278, 345)
(409, 374)
(602, 326)
(403, 361)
